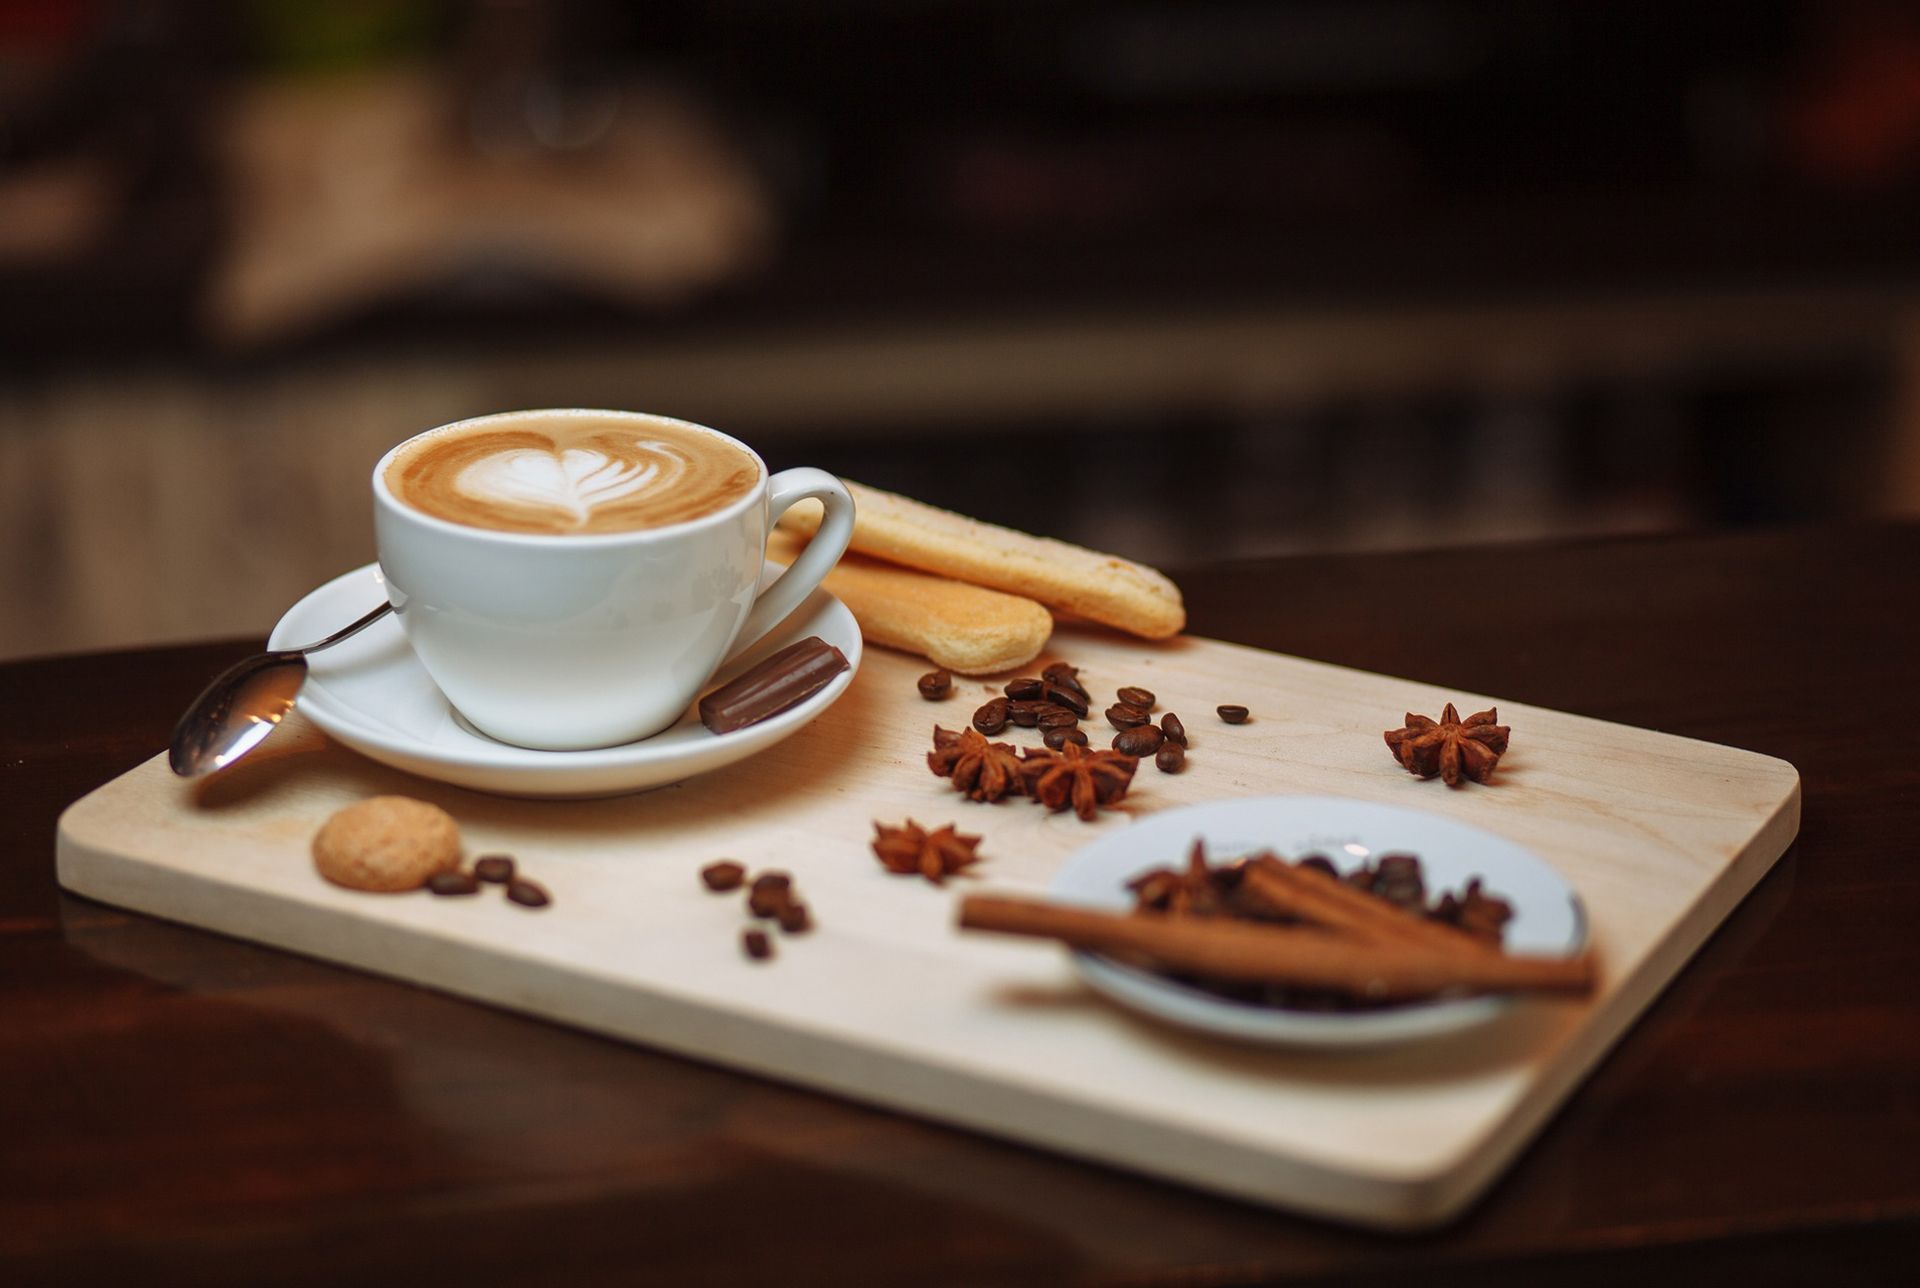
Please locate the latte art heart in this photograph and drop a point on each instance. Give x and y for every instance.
(578, 480)
(570, 473)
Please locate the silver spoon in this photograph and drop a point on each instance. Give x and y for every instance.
(244, 704)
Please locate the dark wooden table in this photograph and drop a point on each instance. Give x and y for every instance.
(179, 1106)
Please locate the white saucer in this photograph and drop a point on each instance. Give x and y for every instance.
(1547, 916)
(372, 694)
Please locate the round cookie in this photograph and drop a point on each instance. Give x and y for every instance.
(386, 844)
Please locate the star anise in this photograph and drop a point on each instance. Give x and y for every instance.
(911, 850)
(1078, 777)
(985, 771)
(1450, 747)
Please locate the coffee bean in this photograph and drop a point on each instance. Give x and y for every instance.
(1024, 712)
(496, 868)
(1061, 673)
(527, 894)
(1134, 696)
(771, 892)
(724, 875)
(1320, 863)
(756, 944)
(1176, 732)
(1122, 716)
(452, 883)
(1057, 717)
(1060, 737)
(1171, 758)
(991, 718)
(1060, 695)
(1233, 714)
(1141, 740)
(1025, 689)
(795, 919)
(936, 685)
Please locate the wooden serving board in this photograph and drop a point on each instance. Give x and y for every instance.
(886, 1002)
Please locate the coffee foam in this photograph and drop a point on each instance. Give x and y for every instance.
(568, 475)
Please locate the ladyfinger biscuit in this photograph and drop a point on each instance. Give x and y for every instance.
(964, 628)
(1099, 587)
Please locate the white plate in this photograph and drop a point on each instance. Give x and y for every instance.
(372, 694)
(1547, 919)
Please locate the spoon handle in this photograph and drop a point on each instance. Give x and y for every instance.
(345, 631)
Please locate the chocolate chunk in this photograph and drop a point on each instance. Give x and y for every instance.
(724, 875)
(527, 894)
(494, 868)
(792, 675)
(452, 883)
(756, 944)
(1232, 714)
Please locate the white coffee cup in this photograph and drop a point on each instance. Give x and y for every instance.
(566, 642)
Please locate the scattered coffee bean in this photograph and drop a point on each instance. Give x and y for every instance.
(756, 944)
(1059, 737)
(1061, 673)
(527, 893)
(453, 883)
(1122, 716)
(1025, 713)
(795, 919)
(991, 718)
(1176, 732)
(1135, 696)
(496, 868)
(1233, 714)
(1141, 740)
(1171, 758)
(1062, 696)
(936, 685)
(1024, 689)
(1058, 718)
(771, 892)
(724, 875)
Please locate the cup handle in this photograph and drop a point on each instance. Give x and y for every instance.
(779, 600)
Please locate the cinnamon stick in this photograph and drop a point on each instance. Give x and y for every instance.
(1330, 902)
(1378, 970)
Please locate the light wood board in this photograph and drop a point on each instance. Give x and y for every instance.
(886, 1002)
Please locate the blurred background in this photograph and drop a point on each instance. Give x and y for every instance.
(1182, 279)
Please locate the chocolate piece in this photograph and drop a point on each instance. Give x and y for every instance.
(724, 875)
(756, 944)
(792, 675)
(495, 868)
(527, 894)
(452, 883)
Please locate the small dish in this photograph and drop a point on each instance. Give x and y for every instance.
(1548, 918)
(370, 693)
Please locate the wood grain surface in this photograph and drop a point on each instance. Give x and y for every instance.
(182, 1106)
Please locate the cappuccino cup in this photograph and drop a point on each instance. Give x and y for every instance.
(572, 578)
